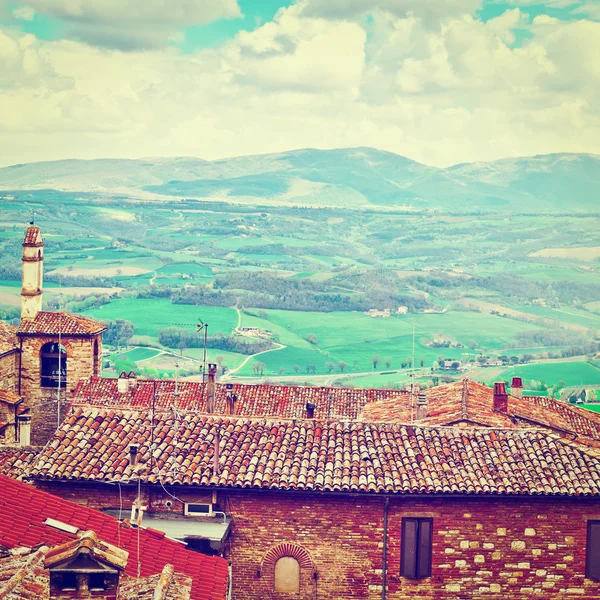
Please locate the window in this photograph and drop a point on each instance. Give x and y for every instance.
(592, 559)
(415, 558)
(287, 575)
(198, 510)
(53, 358)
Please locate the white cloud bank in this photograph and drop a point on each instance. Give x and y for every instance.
(459, 91)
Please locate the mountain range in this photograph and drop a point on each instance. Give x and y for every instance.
(350, 177)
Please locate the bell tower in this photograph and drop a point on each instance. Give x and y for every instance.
(33, 273)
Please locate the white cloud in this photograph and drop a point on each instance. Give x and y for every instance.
(462, 91)
(24, 13)
(431, 11)
(132, 24)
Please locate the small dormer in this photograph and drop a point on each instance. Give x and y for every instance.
(85, 568)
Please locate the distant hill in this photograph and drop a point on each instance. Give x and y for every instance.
(340, 177)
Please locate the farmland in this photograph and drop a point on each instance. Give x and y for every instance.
(467, 289)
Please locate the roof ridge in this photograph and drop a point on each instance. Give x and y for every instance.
(23, 571)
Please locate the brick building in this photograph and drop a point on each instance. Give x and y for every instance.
(483, 495)
(42, 360)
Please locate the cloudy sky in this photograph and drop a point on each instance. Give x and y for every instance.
(440, 81)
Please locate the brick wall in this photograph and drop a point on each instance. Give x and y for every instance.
(9, 363)
(43, 401)
(482, 548)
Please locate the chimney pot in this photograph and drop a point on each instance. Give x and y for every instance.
(310, 410)
(133, 454)
(500, 397)
(516, 388)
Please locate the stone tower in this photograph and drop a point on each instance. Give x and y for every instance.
(33, 273)
(57, 349)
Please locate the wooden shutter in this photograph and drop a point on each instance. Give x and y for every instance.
(424, 548)
(592, 566)
(408, 559)
(415, 557)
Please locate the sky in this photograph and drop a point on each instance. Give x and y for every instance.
(439, 81)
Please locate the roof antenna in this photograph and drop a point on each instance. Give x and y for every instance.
(32, 222)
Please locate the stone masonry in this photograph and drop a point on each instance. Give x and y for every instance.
(483, 547)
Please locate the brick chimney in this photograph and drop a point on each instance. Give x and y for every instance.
(516, 388)
(230, 400)
(210, 388)
(421, 405)
(500, 397)
(310, 410)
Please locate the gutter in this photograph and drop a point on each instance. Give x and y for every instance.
(386, 506)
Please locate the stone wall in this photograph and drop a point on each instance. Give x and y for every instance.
(44, 401)
(9, 364)
(482, 547)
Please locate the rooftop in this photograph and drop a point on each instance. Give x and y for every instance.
(24, 576)
(209, 573)
(53, 323)
(32, 236)
(314, 455)
(252, 399)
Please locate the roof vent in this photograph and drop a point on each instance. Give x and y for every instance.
(421, 405)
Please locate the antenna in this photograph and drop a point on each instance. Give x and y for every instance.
(200, 326)
(412, 378)
(32, 222)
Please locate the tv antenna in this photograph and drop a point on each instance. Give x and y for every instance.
(200, 326)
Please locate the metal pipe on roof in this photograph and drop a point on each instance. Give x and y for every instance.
(386, 506)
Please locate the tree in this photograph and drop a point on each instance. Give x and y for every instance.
(282, 370)
(296, 368)
(376, 359)
(311, 338)
(118, 333)
(330, 366)
(388, 363)
(342, 365)
(354, 363)
(259, 368)
(311, 368)
(182, 346)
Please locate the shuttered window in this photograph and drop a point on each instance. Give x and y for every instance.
(415, 559)
(592, 566)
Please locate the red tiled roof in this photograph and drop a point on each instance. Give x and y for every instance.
(471, 402)
(8, 337)
(23, 510)
(51, 323)
(16, 460)
(253, 400)
(32, 235)
(308, 455)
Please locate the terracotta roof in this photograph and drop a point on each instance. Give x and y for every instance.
(9, 397)
(470, 402)
(15, 460)
(93, 444)
(32, 235)
(8, 337)
(51, 323)
(253, 400)
(23, 576)
(87, 541)
(209, 573)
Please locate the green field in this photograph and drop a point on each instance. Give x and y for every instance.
(150, 315)
(573, 373)
(139, 354)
